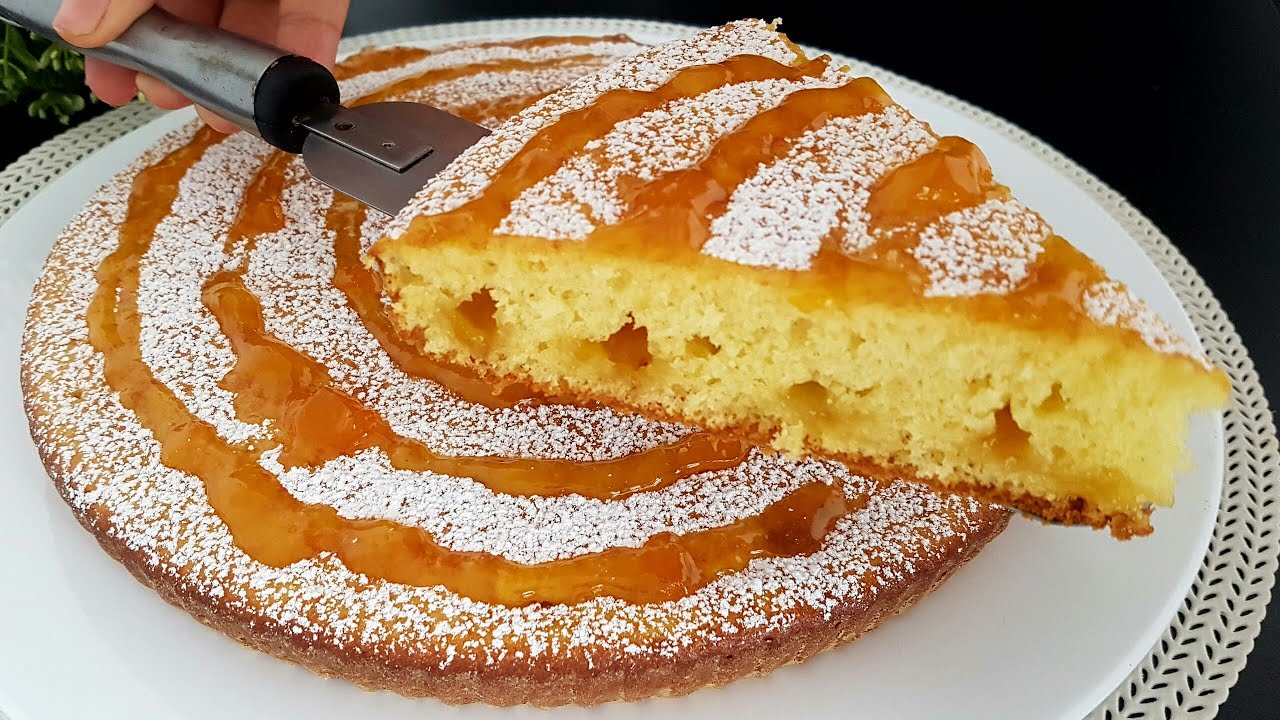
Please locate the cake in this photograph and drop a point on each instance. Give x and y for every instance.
(217, 390)
(729, 234)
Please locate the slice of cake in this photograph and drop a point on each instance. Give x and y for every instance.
(724, 232)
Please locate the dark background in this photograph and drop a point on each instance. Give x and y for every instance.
(1176, 105)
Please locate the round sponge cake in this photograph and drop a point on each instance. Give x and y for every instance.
(216, 390)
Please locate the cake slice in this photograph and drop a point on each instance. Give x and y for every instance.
(723, 232)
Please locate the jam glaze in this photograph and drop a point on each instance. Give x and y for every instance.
(377, 59)
(314, 422)
(954, 175)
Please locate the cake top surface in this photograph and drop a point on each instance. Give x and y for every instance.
(772, 160)
(241, 228)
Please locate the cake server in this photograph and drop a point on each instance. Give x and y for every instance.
(379, 153)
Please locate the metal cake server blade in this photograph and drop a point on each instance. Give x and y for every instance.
(383, 153)
(379, 153)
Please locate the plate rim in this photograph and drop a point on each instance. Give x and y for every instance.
(1215, 624)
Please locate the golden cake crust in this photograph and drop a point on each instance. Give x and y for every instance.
(428, 641)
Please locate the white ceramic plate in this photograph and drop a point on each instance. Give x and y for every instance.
(1044, 623)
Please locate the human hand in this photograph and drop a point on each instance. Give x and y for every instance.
(310, 28)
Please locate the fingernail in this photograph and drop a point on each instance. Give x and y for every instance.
(77, 18)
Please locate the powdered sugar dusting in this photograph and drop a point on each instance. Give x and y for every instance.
(988, 248)
(180, 339)
(1111, 303)
(107, 464)
(471, 172)
(780, 216)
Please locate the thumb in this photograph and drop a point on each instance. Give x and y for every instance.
(90, 23)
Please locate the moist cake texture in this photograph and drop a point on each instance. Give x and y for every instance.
(763, 243)
(217, 390)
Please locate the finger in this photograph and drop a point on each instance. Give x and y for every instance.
(311, 28)
(216, 121)
(251, 18)
(112, 84)
(90, 23)
(160, 94)
(200, 12)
